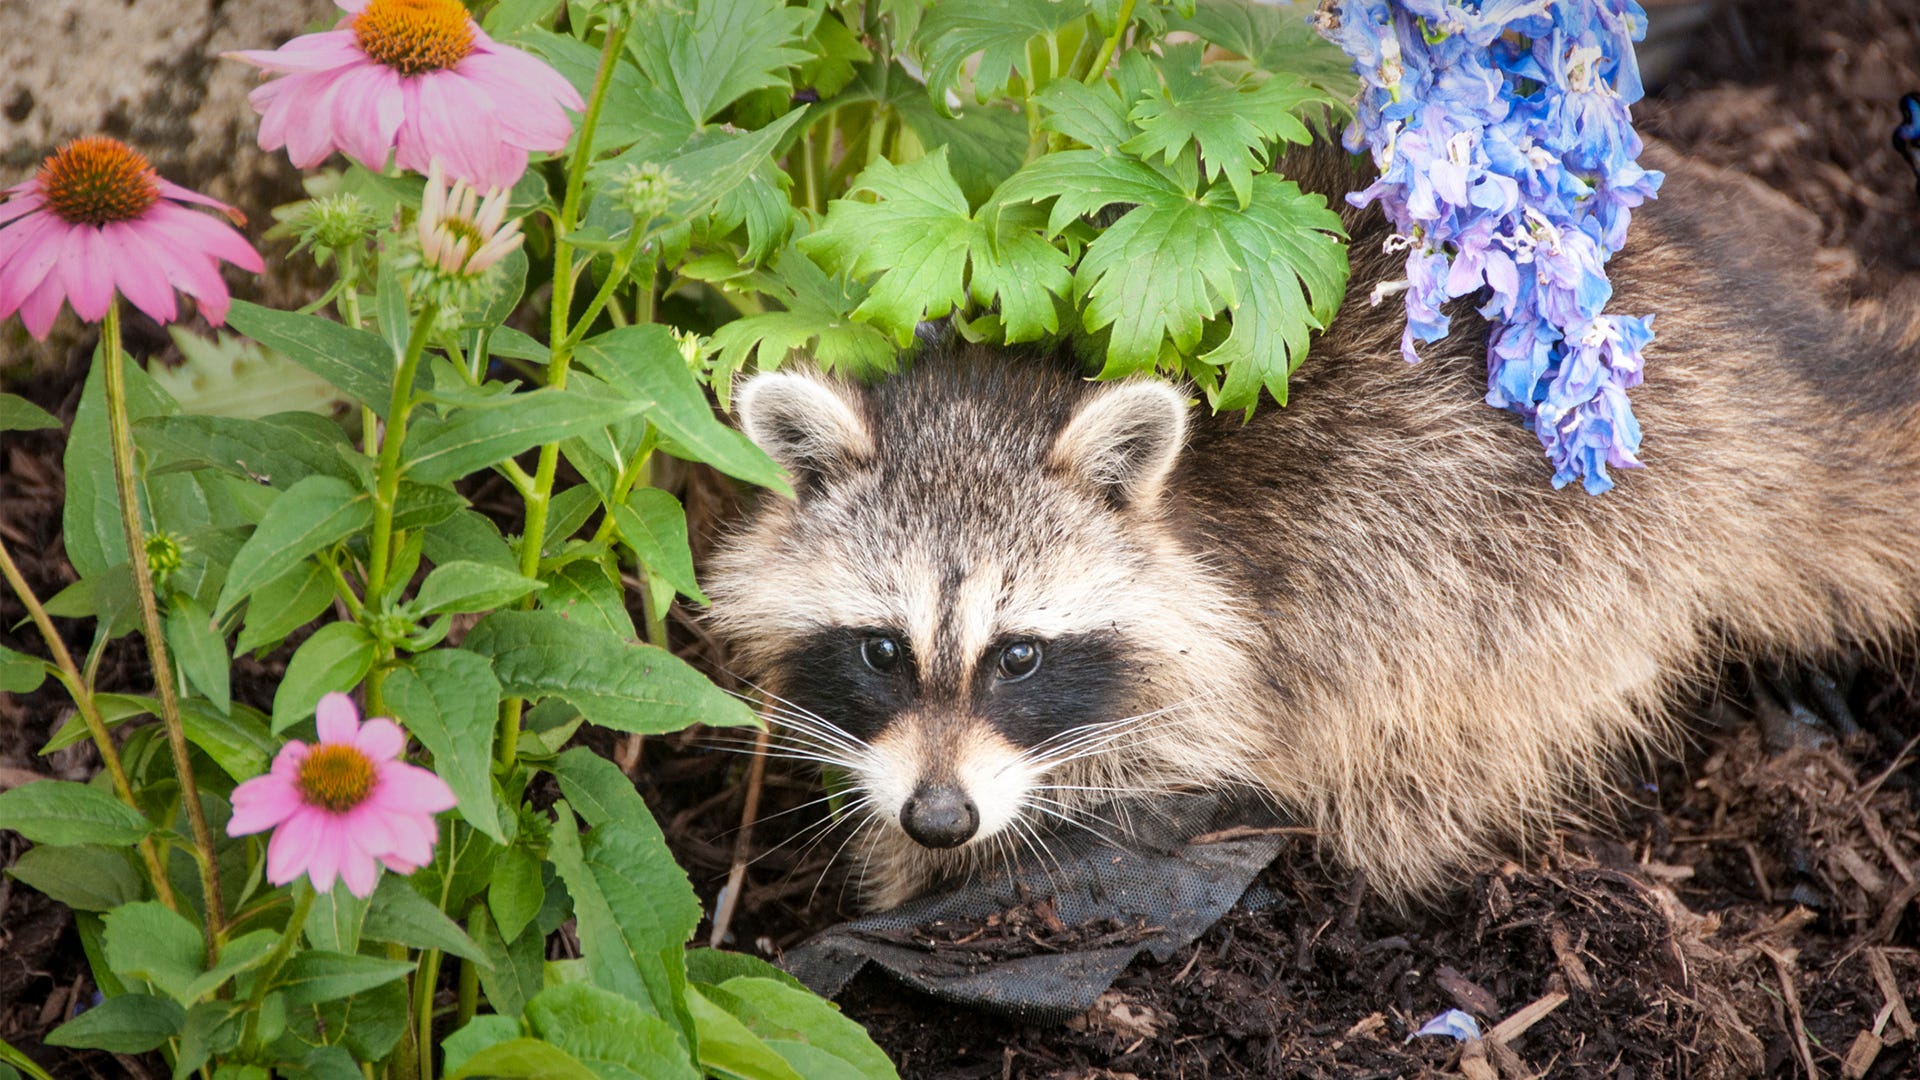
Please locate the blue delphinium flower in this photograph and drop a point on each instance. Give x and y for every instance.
(1507, 165)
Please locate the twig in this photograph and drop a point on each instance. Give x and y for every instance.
(1783, 967)
(1516, 1025)
(742, 844)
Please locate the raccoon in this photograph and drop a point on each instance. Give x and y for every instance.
(1005, 594)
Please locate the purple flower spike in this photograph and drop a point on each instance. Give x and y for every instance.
(1506, 152)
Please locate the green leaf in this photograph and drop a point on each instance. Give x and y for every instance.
(617, 684)
(315, 975)
(19, 414)
(1273, 38)
(589, 593)
(83, 877)
(1232, 123)
(470, 586)
(335, 658)
(449, 699)
(61, 812)
(998, 32)
(633, 909)
(510, 15)
(115, 709)
(148, 941)
(213, 1027)
(279, 450)
(635, 110)
(243, 953)
(987, 143)
(655, 527)
(609, 1034)
(817, 323)
(126, 1024)
(239, 740)
(478, 1034)
(710, 164)
(729, 1048)
(773, 1008)
(420, 506)
(335, 920)
(920, 239)
(358, 362)
(312, 515)
(516, 891)
(1174, 261)
(445, 449)
(390, 309)
(368, 1024)
(644, 364)
(91, 530)
(468, 536)
(404, 917)
(598, 790)
(518, 968)
(715, 966)
(284, 605)
(570, 510)
(200, 650)
(20, 673)
(523, 1059)
(709, 53)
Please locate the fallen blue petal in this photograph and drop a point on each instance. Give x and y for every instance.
(1453, 1022)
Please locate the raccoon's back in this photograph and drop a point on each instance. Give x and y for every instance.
(1455, 648)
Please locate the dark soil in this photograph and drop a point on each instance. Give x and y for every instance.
(1751, 914)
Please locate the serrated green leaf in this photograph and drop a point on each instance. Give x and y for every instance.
(442, 449)
(654, 525)
(635, 110)
(61, 812)
(1232, 123)
(402, 916)
(200, 650)
(84, 877)
(312, 515)
(709, 53)
(420, 506)
(19, 414)
(589, 593)
(471, 586)
(448, 699)
(614, 683)
(125, 1024)
(358, 362)
(479, 1033)
(817, 321)
(610, 1034)
(730, 1048)
(1274, 37)
(998, 32)
(315, 975)
(921, 240)
(773, 1008)
(523, 1059)
(644, 364)
(148, 941)
(335, 658)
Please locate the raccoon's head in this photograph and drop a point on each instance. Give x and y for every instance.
(976, 575)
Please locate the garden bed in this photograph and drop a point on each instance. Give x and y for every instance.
(1751, 913)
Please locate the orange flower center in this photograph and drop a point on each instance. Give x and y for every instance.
(97, 181)
(412, 36)
(337, 776)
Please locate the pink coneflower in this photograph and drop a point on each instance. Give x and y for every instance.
(461, 234)
(418, 77)
(344, 806)
(96, 218)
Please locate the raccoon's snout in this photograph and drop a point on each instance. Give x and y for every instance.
(939, 816)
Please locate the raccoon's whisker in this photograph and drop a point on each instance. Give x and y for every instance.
(1080, 811)
(790, 710)
(1077, 823)
(785, 753)
(1092, 736)
(813, 833)
(872, 821)
(783, 813)
(1043, 854)
(813, 725)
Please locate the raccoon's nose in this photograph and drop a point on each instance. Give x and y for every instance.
(940, 816)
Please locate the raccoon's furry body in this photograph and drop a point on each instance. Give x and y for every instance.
(1370, 603)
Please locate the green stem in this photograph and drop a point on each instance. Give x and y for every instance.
(558, 336)
(82, 693)
(387, 483)
(296, 923)
(123, 470)
(423, 987)
(469, 1001)
(1107, 48)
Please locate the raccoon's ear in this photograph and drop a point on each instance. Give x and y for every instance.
(811, 427)
(1124, 439)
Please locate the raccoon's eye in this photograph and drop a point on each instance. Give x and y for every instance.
(881, 653)
(1019, 660)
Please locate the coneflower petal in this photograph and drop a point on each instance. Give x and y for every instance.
(86, 275)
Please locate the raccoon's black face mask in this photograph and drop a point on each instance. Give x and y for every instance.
(952, 607)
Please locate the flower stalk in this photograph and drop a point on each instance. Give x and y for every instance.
(163, 677)
(82, 695)
(304, 895)
(558, 333)
(387, 484)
